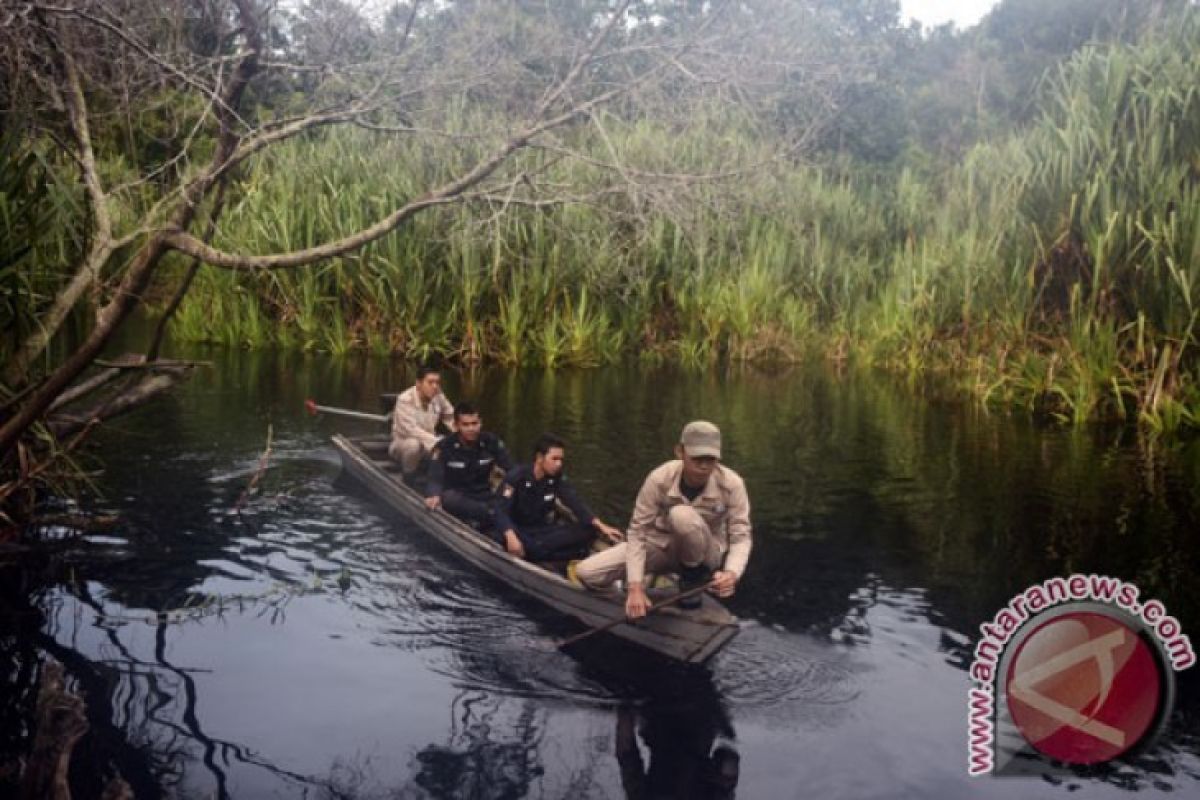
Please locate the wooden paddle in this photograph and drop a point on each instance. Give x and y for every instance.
(311, 406)
(608, 626)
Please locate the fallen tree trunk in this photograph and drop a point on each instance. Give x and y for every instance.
(84, 388)
(163, 379)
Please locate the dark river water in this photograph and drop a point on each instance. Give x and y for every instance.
(320, 647)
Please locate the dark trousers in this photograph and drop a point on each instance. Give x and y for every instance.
(478, 507)
(560, 542)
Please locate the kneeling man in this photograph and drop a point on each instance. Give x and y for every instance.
(692, 516)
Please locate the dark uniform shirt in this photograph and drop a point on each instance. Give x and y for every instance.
(527, 502)
(463, 467)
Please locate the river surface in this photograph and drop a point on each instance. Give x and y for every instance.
(317, 646)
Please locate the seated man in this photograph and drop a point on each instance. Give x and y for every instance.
(526, 520)
(692, 516)
(460, 466)
(418, 410)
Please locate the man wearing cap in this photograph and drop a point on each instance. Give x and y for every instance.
(692, 516)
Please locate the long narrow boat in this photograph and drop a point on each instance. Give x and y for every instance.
(691, 636)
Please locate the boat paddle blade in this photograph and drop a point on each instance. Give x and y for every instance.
(310, 406)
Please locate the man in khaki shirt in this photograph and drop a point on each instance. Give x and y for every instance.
(418, 410)
(692, 516)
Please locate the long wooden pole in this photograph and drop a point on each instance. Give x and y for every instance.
(608, 626)
(314, 409)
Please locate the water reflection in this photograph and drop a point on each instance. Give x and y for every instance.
(350, 658)
(682, 760)
(681, 722)
(487, 756)
(497, 744)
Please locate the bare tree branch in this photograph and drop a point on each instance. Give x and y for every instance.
(506, 102)
(101, 236)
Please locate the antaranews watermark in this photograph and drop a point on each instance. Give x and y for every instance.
(1076, 668)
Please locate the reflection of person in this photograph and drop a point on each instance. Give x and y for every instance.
(461, 466)
(415, 417)
(527, 522)
(683, 764)
(692, 516)
(494, 755)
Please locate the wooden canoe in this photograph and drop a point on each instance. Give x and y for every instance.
(690, 636)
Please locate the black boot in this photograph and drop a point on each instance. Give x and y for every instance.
(691, 578)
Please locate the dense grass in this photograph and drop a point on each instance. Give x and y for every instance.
(563, 286)
(1056, 269)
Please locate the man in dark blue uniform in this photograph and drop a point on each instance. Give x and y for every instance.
(527, 521)
(460, 466)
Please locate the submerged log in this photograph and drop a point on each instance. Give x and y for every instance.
(60, 724)
(84, 388)
(117, 789)
(164, 379)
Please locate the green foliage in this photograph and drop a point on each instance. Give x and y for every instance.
(37, 237)
(1054, 268)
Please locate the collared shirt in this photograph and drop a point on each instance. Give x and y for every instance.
(527, 501)
(414, 419)
(723, 504)
(455, 464)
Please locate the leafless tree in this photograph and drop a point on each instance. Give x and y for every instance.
(544, 83)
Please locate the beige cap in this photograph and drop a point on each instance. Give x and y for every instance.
(700, 438)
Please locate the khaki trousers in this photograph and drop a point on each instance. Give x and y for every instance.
(691, 543)
(407, 452)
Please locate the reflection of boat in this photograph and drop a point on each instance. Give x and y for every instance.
(690, 636)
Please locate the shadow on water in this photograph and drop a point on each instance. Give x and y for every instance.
(313, 646)
(495, 748)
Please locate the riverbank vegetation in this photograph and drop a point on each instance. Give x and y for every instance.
(1013, 207)
(1054, 266)
(147, 131)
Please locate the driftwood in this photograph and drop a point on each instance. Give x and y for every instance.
(263, 462)
(84, 388)
(117, 789)
(163, 379)
(114, 368)
(61, 723)
(134, 361)
(122, 386)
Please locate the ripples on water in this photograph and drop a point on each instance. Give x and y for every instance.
(318, 646)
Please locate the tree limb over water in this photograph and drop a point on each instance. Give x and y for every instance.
(160, 106)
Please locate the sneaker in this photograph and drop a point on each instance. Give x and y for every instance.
(691, 578)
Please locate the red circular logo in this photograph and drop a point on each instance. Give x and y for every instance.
(1083, 688)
